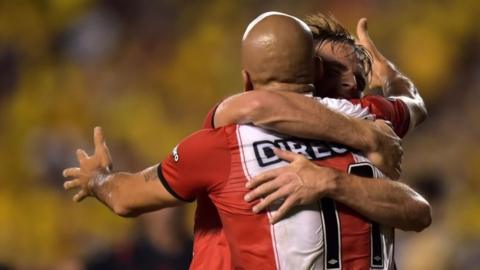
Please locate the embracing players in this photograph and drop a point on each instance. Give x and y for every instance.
(219, 162)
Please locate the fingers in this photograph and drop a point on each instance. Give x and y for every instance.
(397, 174)
(397, 171)
(101, 149)
(71, 172)
(377, 159)
(99, 141)
(284, 209)
(82, 194)
(286, 155)
(98, 138)
(362, 30)
(365, 40)
(393, 174)
(264, 177)
(393, 171)
(100, 145)
(269, 175)
(387, 128)
(81, 155)
(263, 204)
(264, 189)
(75, 183)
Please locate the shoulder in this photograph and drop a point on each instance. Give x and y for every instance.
(199, 161)
(209, 120)
(205, 140)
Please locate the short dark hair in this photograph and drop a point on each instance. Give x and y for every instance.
(326, 28)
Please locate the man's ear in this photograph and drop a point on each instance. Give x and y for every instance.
(247, 82)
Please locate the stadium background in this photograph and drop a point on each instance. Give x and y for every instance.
(148, 71)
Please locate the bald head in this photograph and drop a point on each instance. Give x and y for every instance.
(278, 48)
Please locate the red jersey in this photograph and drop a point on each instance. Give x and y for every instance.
(235, 153)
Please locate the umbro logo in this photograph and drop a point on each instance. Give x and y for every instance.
(175, 155)
(332, 261)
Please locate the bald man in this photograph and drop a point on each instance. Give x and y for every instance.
(218, 163)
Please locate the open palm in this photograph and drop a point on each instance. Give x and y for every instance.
(91, 167)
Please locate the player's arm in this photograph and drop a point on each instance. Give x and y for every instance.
(301, 116)
(294, 114)
(126, 194)
(393, 83)
(301, 182)
(387, 202)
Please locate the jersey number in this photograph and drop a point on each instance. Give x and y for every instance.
(332, 228)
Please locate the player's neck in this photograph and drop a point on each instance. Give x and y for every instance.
(288, 87)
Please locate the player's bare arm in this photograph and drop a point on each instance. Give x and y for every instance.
(386, 76)
(298, 115)
(387, 202)
(126, 194)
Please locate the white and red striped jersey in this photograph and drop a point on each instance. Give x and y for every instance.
(214, 165)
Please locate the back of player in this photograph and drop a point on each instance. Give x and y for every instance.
(324, 235)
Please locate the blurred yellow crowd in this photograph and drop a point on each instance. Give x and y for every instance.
(148, 71)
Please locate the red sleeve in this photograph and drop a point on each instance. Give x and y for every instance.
(208, 122)
(393, 110)
(199, 163)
